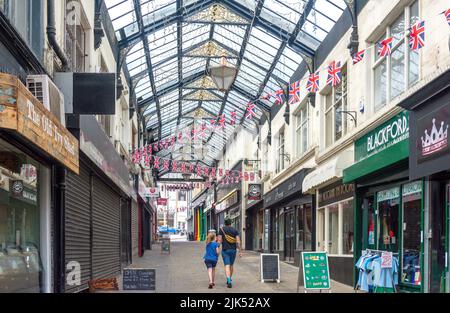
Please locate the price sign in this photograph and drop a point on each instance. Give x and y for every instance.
(316, 273)
(386, 259)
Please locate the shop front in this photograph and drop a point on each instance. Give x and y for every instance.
(33, 144)
(429, 161)
(209, 208)
(199, 215)
(334, 211)
(254, 217)
(229, 207)
(291, 217)
(388, 206)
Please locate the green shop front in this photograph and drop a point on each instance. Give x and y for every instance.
(388, 207)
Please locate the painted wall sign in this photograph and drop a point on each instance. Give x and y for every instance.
(254, 192)
(23, 113)
(432, 134)
(386, 135)
(335, 193)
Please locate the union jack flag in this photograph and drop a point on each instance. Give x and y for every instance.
(212, 123)
(334, 74)
(222, 121)
(384, 47)
(166, 144)
(213, 172)
(155, 147)
(267, 97)
(194, 133)
(233, 118)
(313, 82)
(174, 166)
(279, 96)
(220, 172)
(183, 167)
(191, 167)
(447, 16)
(180, 137)
(173, 141)
(358, 56)
(294, 92)
(203, 131)
(206, 170)
(251, 113)
(161, 145)
(166, 165)
(150, 150)
(156, 163)
(417, 36)
(199, 170)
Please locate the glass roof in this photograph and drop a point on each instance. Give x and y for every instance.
(172, 43)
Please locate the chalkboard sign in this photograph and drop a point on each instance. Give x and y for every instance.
(316, 273)
(270, 267)
(139, 279)
(165, 245)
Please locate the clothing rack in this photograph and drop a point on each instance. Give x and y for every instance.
(378, 252)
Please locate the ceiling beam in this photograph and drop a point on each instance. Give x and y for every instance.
(180, 58)
(307, 9)
(137, 9)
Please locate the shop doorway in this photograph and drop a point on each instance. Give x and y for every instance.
(290, 236)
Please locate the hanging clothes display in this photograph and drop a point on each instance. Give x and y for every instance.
(372, 277)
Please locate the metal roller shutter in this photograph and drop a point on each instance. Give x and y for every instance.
(134, 229)
(105, 231)
(78, 225)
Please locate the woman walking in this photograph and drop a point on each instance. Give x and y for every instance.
(211, 257)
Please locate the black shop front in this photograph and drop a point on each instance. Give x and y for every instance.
(291, 218)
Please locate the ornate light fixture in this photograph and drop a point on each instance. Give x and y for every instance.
(223, 75)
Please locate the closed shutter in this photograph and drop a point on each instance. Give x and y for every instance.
(77, 224)
(106, 231)
(134, 229)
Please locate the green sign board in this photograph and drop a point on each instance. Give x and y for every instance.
(386, 135)
(316, 273)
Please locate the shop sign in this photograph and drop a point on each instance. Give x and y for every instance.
(412, 188)
(23, 113)
(335, 193)
(20, 191)
(254, 192)
(389, 194)
(228, 202)
(289, 187)
(383, 137)
(316, 274)
(432, 134)
(161, 201)
(151, 192)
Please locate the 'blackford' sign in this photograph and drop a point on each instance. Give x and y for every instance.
(386, 135)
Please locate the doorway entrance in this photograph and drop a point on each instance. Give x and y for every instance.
(290, 235)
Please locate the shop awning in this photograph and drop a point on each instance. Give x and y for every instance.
(328, 171)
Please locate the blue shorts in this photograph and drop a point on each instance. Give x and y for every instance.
(210, 263)
(228, 256)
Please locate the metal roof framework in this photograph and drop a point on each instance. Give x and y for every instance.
(171, 44)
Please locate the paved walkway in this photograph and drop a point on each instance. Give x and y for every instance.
(183, 271)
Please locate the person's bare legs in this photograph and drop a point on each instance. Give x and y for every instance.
(228, 271)
(231, 271)
(211, 275)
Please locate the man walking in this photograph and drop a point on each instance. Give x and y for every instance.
(231, 242)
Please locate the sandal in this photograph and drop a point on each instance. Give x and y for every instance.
(210, 286)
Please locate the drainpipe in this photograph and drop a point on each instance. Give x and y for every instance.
(51, 35)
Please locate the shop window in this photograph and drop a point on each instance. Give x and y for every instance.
(281, 229)
(411, 212)
(333, 229)
(182, 195)
(335, 103)
(388, 207)
(394, 73)
(26, 16)
(20, 264)
(304, 227)
(301, 130)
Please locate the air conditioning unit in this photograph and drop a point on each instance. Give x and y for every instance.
(43, 88)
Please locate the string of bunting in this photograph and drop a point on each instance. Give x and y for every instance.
(416, 35)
